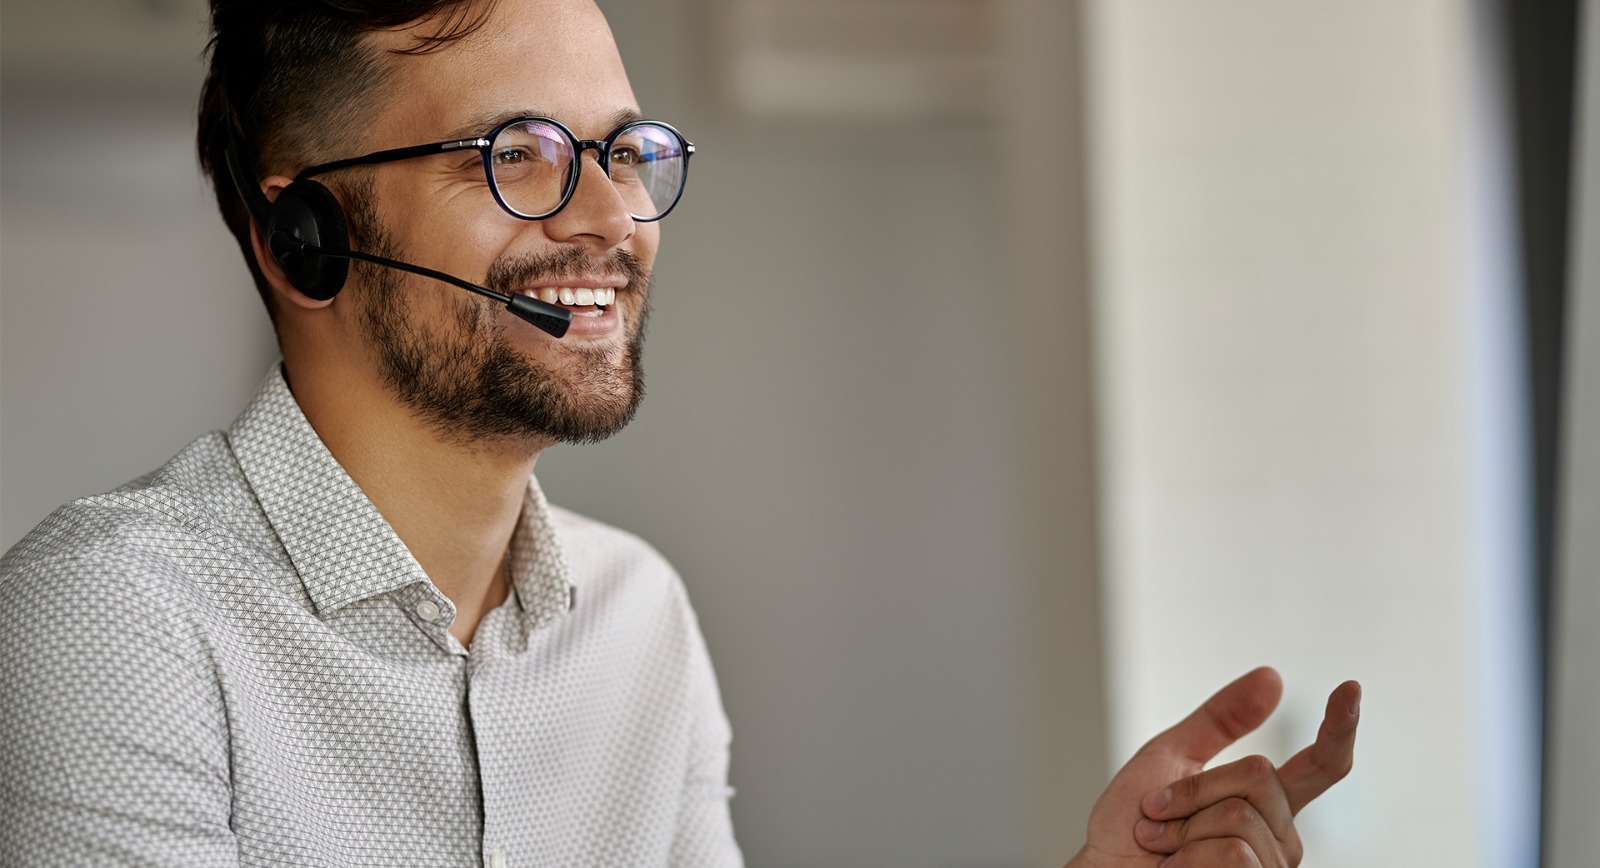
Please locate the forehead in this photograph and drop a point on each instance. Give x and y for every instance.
(546, 57)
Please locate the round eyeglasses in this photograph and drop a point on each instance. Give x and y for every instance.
(532, 164)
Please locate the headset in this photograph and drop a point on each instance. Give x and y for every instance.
(306, 234)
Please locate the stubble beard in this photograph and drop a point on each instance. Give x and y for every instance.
(469, 382)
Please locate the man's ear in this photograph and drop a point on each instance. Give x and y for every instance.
(272, 187)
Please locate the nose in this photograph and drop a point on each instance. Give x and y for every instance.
(596, 215)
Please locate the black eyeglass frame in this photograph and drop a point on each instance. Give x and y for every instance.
(483, 143)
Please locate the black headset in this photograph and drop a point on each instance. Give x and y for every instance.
(306, 233)
(306, 212)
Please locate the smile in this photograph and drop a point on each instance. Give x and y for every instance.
(581, 296)
(581, 300)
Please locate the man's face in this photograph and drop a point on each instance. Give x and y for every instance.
(464, 364)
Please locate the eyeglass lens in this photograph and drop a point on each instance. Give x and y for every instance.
(532, 165)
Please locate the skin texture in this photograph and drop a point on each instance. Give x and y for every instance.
(454, 499)
(1162, 808)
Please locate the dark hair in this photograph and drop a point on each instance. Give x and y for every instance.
(292, 77)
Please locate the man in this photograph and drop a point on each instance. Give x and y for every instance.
(350, 630)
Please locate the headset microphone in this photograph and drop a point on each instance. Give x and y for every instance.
(546, 316)
(306, 235)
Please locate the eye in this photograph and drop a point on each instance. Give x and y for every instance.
(626, 155)
(511, 156)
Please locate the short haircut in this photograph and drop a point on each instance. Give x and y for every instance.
(294, 79)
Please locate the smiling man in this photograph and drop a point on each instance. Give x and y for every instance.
(350, 629)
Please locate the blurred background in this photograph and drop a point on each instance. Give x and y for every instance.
(1022, 371)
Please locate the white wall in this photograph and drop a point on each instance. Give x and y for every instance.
(1304, 351)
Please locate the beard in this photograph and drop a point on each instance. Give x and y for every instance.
(468, 381)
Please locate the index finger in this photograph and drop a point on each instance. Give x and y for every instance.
(1312, 771)
(1227, 716)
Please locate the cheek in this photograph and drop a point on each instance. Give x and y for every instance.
(460, 245)
(453, 229)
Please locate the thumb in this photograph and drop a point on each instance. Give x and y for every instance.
(1223, 719)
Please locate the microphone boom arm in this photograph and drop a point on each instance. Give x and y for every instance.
(547, 317)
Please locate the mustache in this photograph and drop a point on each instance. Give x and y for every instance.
(508, 273)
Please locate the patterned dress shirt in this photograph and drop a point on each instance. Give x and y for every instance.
(235, 661)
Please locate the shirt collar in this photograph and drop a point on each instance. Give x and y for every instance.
(540, 574)
(339, 544)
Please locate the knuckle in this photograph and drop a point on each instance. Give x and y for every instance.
(1258, 768)
(1236, 852)
(1337, 767)
(1236, 813)
(1187, 789)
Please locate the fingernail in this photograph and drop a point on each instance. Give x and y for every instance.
(1168, 862)
(1149, 830)
(1355, 708)
(1157, 802)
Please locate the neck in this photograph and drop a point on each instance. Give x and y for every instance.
(455, 507)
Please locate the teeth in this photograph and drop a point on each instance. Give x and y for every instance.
(577, 297)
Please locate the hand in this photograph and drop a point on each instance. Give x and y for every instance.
(1162, 810)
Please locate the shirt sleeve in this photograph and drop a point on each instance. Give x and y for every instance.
(113, 747)
(705, 828)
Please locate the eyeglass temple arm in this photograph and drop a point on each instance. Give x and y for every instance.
(394, 155)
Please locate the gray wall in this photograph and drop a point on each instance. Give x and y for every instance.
(127, 323)
(835, 451)
(1573, 760)
(827, 454)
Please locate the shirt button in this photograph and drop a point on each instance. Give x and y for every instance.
(497, 859)
(428, 610)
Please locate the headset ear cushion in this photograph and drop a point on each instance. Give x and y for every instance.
(309, 212)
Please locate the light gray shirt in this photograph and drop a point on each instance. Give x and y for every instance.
(235, 661)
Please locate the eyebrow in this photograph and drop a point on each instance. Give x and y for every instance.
(486, 122)
(624, 116)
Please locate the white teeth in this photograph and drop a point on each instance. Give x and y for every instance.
(600, 297)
